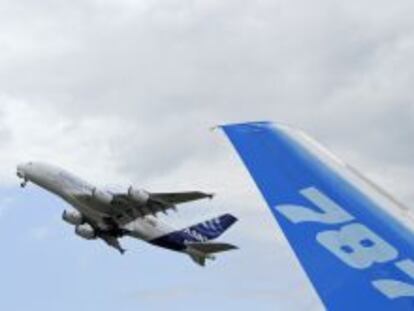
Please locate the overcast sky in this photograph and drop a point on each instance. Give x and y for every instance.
(125, 92)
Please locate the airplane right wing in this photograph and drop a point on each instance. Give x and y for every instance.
(357, 255)
(180, 197)
(139, 203)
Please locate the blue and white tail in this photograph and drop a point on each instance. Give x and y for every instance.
(211, 229)
(196, 240)
(200, 248)
(356, 254)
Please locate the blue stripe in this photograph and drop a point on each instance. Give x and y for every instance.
(202, 232)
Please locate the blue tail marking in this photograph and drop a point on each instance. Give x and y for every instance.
(211, 229)
(202, 232)
(357, 256)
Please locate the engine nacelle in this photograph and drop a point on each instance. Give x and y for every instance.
(86, 231)
(139, 196)
(73, 217)
(102, 196)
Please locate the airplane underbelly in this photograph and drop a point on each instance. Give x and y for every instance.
(147, 228)
(88, 211)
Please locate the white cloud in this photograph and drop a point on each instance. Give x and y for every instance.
(38, 133)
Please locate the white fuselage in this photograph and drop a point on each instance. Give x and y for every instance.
(74, 190)
(108, 216)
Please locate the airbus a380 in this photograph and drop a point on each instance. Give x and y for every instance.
(102, 214)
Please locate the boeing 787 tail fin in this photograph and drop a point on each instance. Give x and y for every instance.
(357, 256)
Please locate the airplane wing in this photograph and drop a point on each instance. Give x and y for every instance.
(180, 197)
(155, 203)
(356, 254)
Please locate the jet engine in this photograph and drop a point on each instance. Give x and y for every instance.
(139, 196)
(73, 217)
(101, 196)
(86, 231)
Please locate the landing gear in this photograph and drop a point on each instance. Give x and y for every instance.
(24, 183)
(119, 248)
(114, 242)
(21, 175)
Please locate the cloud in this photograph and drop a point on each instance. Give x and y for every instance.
(156, 72)
(37, 133)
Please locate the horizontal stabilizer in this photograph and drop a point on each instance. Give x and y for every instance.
(199, 252)
(211, 248)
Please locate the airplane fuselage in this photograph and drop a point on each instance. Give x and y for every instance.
(77, 192)
(99, 213)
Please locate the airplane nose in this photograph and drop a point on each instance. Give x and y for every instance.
(23, 169)
(20, 170)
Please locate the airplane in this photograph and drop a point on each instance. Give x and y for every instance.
(357, 253)
(99, 213)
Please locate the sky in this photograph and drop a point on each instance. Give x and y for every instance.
(126, 93)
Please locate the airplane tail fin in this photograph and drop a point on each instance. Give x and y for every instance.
(212, 229)
(356, 254)
(196, 240)
(200, 252)
(201, 249)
